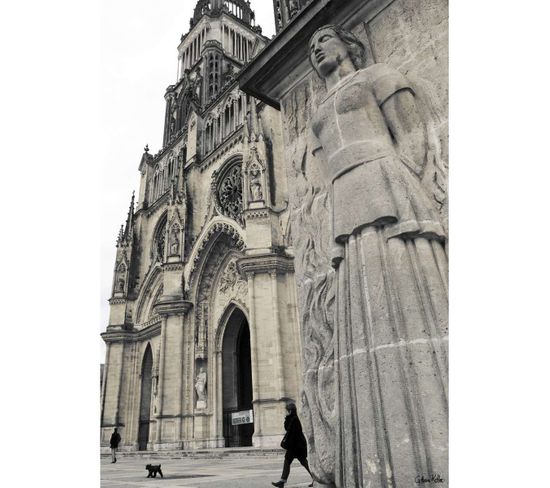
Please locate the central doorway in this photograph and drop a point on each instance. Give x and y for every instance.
(145, 400)
(237, 381)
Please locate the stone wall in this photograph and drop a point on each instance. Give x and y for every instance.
(410, 36)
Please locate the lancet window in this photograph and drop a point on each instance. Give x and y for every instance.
(192, 52)
(213, 75)
(161, 179)
(218, 128)
(236, 44)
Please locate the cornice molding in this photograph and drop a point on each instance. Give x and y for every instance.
(256, 214)
(172, 306)
(265, 263)
(117, 301)
(173, 266)
(132, 335)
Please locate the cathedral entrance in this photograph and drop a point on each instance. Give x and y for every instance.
(238, 423)
(145, 402)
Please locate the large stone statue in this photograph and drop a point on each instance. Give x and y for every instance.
(390, 324)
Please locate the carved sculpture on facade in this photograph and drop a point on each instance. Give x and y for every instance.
(174, 241)
(200, 387)
(293, 8)
(197, 85)
(255, 182)
(121, 278)
(389, 254)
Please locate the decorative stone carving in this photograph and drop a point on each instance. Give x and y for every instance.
(200, 388)
(231, 286)
(293, 8)
(256, 192)
(174, 241)
(389, 333)
(229, 277)
(201, 331)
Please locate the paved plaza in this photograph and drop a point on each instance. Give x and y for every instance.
(230, 472)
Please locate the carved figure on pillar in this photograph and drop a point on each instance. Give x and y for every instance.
(293, 8)
(391, 264)
(200, 387)
(174, 241)
(256, 192)
(121, 279)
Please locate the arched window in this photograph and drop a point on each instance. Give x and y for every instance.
(159, 241)
(229, 191)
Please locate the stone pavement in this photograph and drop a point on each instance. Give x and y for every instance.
(226, 472)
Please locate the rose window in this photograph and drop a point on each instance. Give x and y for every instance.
(230, 193)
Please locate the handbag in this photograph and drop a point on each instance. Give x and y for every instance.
(284, 442)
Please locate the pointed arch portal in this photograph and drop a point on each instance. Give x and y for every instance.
(145, 401)
(236, 379)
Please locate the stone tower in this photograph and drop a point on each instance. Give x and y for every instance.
(203, 341)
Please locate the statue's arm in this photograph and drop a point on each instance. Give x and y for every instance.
(407, 128)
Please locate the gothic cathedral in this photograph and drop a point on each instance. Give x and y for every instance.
(203, 341)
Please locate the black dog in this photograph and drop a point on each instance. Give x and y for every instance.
(153, 470)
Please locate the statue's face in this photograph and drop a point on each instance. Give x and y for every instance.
(327, 51)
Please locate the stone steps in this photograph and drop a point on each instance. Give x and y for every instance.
(228, 452)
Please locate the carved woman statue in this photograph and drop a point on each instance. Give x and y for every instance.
(391, 311)
(256, 185)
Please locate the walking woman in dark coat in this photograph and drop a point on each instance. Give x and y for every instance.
(115, 439)
(295, 444)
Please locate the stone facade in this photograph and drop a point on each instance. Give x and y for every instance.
(364, 108)
(203, 318)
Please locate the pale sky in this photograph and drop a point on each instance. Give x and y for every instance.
(139, 42)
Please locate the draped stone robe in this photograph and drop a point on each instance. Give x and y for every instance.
(392, 299)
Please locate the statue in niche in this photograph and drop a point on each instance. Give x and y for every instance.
(256, 192)
(200, 387)
(293, 8)
(197, 85)
(174, 242)
(121, 279)
(229, 74)
(390, 259)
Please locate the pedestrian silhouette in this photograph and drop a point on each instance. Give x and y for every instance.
(295, 444)
(115, 439)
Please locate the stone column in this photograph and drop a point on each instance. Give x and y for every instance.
(272, 363)
(173, 310)
(112, 414)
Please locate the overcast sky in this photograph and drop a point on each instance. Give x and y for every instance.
(139, 42)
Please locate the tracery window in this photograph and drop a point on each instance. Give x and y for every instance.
(159, 241)
(230, 192)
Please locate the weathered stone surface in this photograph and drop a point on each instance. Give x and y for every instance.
(366, 164)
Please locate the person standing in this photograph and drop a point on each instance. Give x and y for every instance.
(295, 444)
(115, 439)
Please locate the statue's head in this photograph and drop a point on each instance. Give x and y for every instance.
(331, 45)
